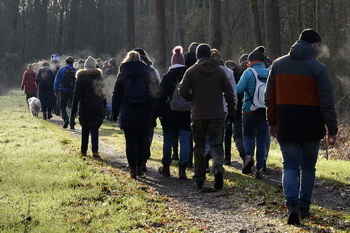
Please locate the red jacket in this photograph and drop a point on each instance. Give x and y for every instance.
(28, 82)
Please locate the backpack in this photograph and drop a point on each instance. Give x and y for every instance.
(136, 91)
(68, 78)
(258, 98)
(177, 103)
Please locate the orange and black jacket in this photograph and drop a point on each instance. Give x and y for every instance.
(299, 96)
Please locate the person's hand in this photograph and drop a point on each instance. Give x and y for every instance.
(331, 140)
(273, 131)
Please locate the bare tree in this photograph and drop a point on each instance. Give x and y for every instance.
(272, 29)
(254, 13)
(130, 25)
(160, 35)
(215, 38)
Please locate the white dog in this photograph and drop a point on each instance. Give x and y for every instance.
(34, 106)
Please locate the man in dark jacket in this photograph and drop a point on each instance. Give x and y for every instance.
(203, 85)
(66, 93)
(300, 102)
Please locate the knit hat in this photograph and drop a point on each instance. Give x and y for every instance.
(244, 58)
(203, 50)
(178, 57)
(55, 57)
(70, 60)
(310, 35)
(90, 63)
(257, 54)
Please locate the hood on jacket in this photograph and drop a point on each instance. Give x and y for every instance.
(89, 72)
(207, 66)
(134, 69)
(301, 50)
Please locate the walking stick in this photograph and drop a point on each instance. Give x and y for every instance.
(327, 154)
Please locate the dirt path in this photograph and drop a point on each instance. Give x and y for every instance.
(217, 211)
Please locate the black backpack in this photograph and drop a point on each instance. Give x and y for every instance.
(136, 91)
(177, 103)
(68, 78)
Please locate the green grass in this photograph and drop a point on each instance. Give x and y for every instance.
(46, 187)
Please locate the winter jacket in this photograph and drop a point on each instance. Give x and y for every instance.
(88, 94)
(299, 96)
(238, 71)
(59, 77)
(28, 82)
(171, 119)
(45, 81)
(247, 83)
(231, 78)
(203, 85)
(132, 116)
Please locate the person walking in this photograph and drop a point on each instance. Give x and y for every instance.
(203, 85)
(89, 98)
(255, 126)
(300, 103)
(175, 124)
(64, 84)
(132, 104)
(28, 84)
(45, 80)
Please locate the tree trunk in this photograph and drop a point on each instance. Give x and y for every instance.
(130, 25)
(309, 12)
(160, 35)
(215, 37)
(254, 13)
(272, 29)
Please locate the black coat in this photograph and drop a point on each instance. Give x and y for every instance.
(45, 79)
(171, 119)
(88, 94)
(132, 116)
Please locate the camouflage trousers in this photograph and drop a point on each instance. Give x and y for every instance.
(214, 128)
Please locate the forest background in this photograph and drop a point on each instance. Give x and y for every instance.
(32, 30)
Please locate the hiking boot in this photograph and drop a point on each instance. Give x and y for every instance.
(248, 164)
(49, 116)
(83, 154)
(133, 172)
(304, 213)
(182, 172)
(264, 166)
(293, 214)
(175, 157)
(165, 170)
(65, 125)
(259, 174)
(218, 180)
(96, 155)
(198, 185)
(139, 172)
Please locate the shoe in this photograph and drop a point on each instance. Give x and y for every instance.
(165, 170)
(248, 164)
(139, 172)
(83, 154)
(175, 157)
(218, 180)
(198, 185)
(96, 155)
(304, 213)
(259, 174)
(133, 172)
(264, 166)
(72, 127)
(293, 214)
(182, 172)
(65, 125)
(49, 116)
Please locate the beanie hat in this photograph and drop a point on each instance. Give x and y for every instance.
(55, 57)
(203, 50)
(178, 57)
(90, 63)
(69, 60)
(310, 35)
(257, 54)
(244, 58)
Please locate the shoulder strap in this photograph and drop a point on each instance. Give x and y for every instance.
(254, 72)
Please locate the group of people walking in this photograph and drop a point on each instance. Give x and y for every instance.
(202, 101)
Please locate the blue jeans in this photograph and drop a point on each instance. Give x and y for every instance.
(237, 135)
(255, 128)
(298, 179)
(168, 139)
(214, 128)
(66, 100)
(85, 131)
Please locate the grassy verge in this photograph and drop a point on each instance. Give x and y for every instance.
(46, 187)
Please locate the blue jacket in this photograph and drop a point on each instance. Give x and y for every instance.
(58, 78)
(247, 83)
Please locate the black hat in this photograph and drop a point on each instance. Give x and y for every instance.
(203, 50)
(310, 35)
(257, 54)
